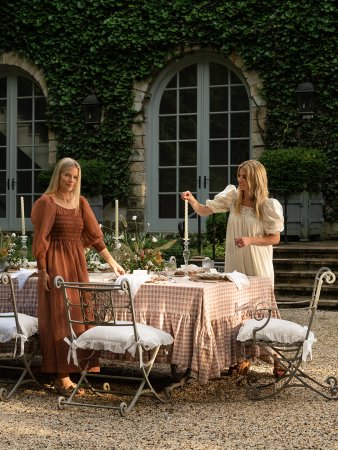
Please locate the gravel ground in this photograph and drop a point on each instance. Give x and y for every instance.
(215, 416)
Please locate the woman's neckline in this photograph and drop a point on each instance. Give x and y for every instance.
(61, 206)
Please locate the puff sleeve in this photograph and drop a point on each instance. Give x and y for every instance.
(273, 219)
(222, 201)
(42, 217)
(92, 235)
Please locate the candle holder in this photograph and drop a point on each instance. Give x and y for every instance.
(24, 250)
(186, 256)
(116, 251)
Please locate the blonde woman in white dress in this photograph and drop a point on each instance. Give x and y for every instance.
(255, 220)
(254, 226)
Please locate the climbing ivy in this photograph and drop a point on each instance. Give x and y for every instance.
(107, 44)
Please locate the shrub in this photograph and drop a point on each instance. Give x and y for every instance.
(221, 221)
(295, 169)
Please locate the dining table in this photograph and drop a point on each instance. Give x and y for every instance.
(203, 316)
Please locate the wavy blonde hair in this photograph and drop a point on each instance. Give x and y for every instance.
(63, 165)
(258, 186)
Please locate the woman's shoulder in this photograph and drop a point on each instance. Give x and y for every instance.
(272, 205)
(45, 199)
(229, 191)
(83, 202)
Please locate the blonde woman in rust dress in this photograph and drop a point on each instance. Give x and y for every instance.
(64, 224)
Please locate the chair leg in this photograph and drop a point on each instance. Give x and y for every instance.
(294, 377)
(145, 387)
(26, 377)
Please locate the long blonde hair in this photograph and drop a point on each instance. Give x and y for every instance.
(257, 183)
(63, 165)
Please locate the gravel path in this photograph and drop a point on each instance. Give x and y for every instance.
(215, 416)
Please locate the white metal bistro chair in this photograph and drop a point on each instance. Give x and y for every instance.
(18, 331)
(101, 306)
(289, 344)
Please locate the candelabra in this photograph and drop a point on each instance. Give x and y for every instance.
(186, 256)
(116, 251)
(24, 250)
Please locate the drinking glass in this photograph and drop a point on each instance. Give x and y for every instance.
(170, 269)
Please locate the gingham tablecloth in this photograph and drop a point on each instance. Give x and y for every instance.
(204, 318)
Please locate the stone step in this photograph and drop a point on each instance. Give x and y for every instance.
(293, 299)
(303, 265)
(294, 276)
(285, 252)
(328, 291)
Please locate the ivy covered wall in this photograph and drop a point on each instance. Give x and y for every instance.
(111, 43)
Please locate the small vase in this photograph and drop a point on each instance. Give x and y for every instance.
(3, 265)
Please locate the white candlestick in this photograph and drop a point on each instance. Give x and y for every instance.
(185, 220)
(23, 228)
(116, 219)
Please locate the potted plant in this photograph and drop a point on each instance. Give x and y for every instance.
(295, 175)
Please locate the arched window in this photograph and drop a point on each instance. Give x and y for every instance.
(23, 144)
(199, 131)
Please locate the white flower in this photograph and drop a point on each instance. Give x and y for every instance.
(118, 245)
(134, 218)
(133, 239)
(13, 235)
(154, 239)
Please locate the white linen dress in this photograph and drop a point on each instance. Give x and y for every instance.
(253, 260)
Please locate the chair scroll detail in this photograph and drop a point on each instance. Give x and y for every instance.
(105, 311)
(289, 344)
(18, 331)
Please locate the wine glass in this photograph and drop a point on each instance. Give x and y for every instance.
(170, 269)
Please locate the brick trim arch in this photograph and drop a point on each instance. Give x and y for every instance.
(141, 91)
(22, 62)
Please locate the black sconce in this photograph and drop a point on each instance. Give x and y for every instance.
(92, 109)
(306, 99)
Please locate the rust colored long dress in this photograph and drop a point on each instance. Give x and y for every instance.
(60, 236)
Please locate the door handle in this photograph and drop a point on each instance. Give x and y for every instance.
(13, 183)
(205, 181)
(199, 182)
(8, 183)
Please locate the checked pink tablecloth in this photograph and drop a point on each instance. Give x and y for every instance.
(204, 318)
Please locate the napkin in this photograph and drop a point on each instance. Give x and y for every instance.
(22, 276)
(240, 279)
(135, 281)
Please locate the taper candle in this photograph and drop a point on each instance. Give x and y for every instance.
(23, 228)
(116, 219)
(185, 220)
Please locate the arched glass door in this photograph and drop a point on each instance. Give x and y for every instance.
(23, 145)
(199, 132)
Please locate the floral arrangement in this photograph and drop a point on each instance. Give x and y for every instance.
(7, 248)
(140, 250)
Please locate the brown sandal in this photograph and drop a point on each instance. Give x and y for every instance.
(278, 370)
(243, 367)
(67, 391)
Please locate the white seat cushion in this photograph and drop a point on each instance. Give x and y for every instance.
(278, 330)
(8, 331)
(119, 339)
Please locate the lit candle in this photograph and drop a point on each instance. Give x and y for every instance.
(185, 220)
(116, 219)
(23, 228)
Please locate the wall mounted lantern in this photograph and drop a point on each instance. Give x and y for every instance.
(92, 109)
(306, 99)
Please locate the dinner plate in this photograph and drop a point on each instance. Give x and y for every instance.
(209, 276)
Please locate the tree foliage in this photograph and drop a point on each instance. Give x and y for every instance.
(110, 43)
